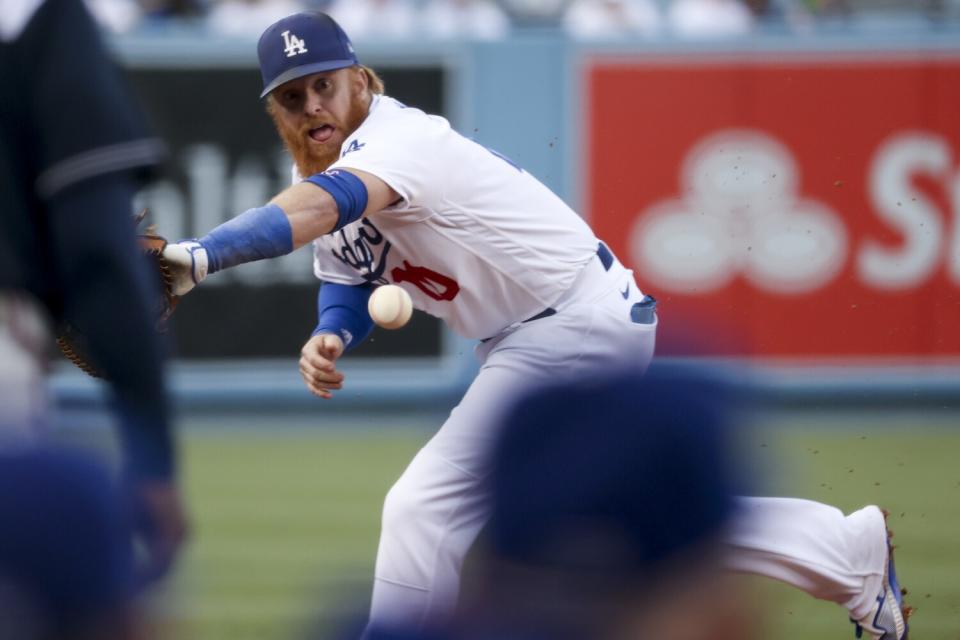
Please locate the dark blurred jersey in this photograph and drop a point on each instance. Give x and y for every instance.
(65, 118)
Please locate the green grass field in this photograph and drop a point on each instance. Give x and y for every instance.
(286, 521)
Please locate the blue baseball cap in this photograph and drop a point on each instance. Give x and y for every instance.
(647, 458)
(302, 44)
(65, 547)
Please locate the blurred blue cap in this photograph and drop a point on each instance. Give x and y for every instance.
(302, 44)
(65, 544)
(618, 472)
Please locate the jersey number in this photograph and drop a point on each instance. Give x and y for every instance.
(436, 285)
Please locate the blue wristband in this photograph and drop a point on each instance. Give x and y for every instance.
(347, 190)
(342, 311)
(255, 234)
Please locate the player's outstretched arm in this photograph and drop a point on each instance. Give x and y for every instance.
(321, 204)
(107, 291)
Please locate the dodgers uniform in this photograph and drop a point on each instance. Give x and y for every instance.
(481, 244)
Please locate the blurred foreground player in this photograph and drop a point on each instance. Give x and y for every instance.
(66, 562)
(72, 150)
(613, 526)
(389, 194)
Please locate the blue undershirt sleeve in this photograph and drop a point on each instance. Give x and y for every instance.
(255, 234)
(342, 311)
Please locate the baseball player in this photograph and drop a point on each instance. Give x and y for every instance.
(389, 194)
(585, 540)
(73, 150)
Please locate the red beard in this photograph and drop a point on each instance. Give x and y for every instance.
(310, 156)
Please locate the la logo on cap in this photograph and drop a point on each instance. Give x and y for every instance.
(329, 49)
(294, 45)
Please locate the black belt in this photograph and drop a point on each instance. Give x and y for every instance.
(606, 259)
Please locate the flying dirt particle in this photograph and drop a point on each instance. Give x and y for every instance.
(838, 183)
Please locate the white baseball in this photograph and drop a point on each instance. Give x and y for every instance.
(390, 306)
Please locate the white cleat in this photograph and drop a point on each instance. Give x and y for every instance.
(888, 618)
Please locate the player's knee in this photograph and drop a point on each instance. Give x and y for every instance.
(403, 509)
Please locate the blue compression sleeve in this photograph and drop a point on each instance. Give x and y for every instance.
(342, 310)
(347, 190)
(255, 234)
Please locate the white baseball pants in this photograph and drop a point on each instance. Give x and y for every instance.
(23, 344)
(813, 547)
(434, 512)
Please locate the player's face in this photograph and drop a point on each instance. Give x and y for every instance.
(316, 113)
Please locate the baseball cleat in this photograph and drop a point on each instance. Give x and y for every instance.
(888, 618)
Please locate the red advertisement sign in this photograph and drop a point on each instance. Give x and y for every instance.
(798, 207)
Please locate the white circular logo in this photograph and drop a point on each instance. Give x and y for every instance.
(740, 214)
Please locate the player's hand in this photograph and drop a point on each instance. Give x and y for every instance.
(188, 264)
(318, 360)
(161, 526)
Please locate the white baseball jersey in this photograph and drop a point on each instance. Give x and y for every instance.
(483, 245)
(475, 240)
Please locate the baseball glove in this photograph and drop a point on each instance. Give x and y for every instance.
(73, 342)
